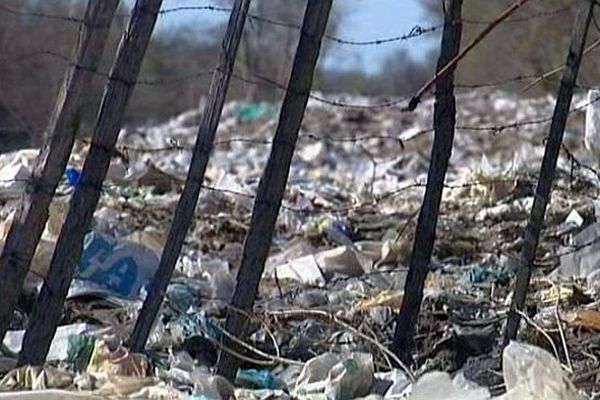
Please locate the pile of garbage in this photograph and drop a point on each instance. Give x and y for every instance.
(324, 319)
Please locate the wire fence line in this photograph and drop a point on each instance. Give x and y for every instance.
(260, 80)
(415, 32)
(493, 129)
(339, 205)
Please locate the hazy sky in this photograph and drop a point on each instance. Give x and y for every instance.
(365, 19)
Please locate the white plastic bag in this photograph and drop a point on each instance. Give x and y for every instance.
(531, 373)
(592, 123)
(438, 385)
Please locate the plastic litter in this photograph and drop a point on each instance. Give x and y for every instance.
(125, 386)
(336, 376)
(15, 170)
(582, 258)
(115, 268)
(350, 242)
(80, 351)
(439, 386)
(592, 123)
(59, 349)
(480, 274)
(212, 387)
(73, 175)
(531, 373)
(105, 362)
(390, 384)
(318, 268)
(252, 112)
(258, 379)
(386, 298)
(35, 378)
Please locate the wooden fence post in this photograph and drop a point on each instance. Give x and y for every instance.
(119, 87)
(548, 169)
(32, 215)
(444, 122)
(272, 184)
(186, 207)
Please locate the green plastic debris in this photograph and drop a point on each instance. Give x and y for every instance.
(253, 112)
(258, 379)
(479, 274)
(79, 351)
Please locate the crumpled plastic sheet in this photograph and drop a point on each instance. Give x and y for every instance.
(336, 376)
(530, 373)
(36, 378)
(105, 362)
(582, 259)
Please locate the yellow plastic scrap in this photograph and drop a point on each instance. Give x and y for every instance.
(35, 378)
(387, 298)
(553, 294)
(491, 188)
(440, 281)
(119, 362)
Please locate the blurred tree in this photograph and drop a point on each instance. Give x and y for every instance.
(32, 77)
(28, 86)
(526, 46)
(32, 70)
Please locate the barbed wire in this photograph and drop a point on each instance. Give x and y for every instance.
(415, 32)
(260, 80)
(497, 129)
(174, 146)
(376, 198)
(257, 79)
(306, 211)
(494, 129)
(338, 210)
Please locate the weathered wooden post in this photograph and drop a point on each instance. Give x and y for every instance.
(119, 87)
(272, 184)
(444, 119)
(184, 213)
(32, 215)
(548, 169)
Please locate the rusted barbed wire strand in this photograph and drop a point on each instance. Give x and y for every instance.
(415, 32)
(494, 129)
(266, 82)
(259, 80)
